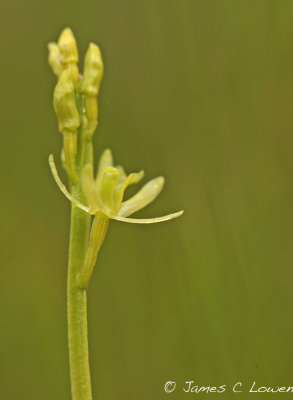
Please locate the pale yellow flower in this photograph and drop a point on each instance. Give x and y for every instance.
(105, 193)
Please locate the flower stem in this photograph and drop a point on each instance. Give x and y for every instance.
(77, 304)
(97, 235)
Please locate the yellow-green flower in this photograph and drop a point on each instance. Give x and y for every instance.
(105, 193)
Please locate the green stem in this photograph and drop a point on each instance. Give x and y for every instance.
(77, 304)
(76, 296)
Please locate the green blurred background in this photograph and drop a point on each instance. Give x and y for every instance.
(200, 92)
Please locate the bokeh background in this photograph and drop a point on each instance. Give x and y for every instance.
(200, 92)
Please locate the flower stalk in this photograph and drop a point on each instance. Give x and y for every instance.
(95, 200)
(97, 235)
(77, 307)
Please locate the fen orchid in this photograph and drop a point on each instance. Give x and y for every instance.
(76, 107)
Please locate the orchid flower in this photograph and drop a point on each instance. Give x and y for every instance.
(105, 193)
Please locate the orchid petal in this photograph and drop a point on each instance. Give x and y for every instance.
(122, 174)
(109, 181)
(62, 186)
(88, 186)
(106, 160)
(142, 198)
(148, 220)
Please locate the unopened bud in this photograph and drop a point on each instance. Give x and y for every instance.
(91, 108)
(67, 46)
(54, 59)
(64, 103)
(73, 68)
(70, 149)
(93, 71)
(63, 160)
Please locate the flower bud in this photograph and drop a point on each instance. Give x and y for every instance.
(54, 59)
(64, 161)
(67, 46)
(64, 103)
(73, 68)
(70, 149)
(91, 108)
(93, 71)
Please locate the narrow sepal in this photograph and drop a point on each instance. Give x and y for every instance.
(62, 187)
(149, 220)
